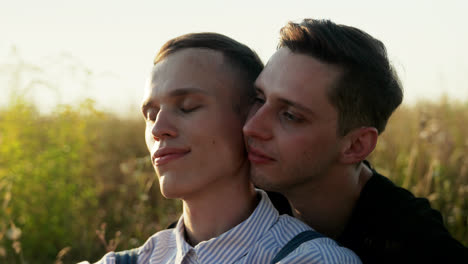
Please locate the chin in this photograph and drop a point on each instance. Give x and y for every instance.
(175, 190)
(263, 183)
(169, 191)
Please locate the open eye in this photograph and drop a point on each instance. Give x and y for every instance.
(259, 100)
(291, 117)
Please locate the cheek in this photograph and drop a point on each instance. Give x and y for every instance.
(292, 144)
(294, 150)
(235, 139)
(315, 149)
(224, 144)
(225, 129)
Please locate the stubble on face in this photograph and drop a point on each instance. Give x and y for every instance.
(305, 152)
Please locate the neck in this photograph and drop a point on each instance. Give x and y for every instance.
(326, 205)
(226, 205)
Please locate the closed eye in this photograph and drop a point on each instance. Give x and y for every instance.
(189, 109)
(151, 114)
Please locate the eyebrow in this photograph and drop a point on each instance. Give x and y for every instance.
(296, 105)
(288, 102)
(148, 103)
(186, 91)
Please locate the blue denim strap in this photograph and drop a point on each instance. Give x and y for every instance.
(294, 243)
(126, 257)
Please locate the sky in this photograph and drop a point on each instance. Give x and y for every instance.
(62, 51)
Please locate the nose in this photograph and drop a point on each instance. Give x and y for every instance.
(258, 124)
(163, 126)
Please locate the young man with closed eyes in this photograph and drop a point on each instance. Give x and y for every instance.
(195, 105)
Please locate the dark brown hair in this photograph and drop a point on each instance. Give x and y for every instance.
(368, 90)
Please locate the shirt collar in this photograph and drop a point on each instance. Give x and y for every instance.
(182, 246)
(234, 243)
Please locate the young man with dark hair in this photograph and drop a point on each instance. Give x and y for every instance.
(195, 105)
(322, 101)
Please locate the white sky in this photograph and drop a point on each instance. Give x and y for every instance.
(117, 40)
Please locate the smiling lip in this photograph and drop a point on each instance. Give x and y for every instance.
(165, 155)
(258, 157)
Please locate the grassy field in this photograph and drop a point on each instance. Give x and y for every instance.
(424, 149)
(78, 182)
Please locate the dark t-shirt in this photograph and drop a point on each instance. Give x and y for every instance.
(390, 225)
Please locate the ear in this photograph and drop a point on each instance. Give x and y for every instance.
(358, 144)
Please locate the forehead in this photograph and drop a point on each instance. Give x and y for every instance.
(298, 78)
(202, 69)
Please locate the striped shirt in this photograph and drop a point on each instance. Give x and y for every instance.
(256, 240)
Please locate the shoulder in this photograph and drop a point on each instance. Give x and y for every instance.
(285, 229)
(162, 239)
(391, 218)
(321, 250)
(318, 250)
(108, 258)
(382, 195)
(381, 201)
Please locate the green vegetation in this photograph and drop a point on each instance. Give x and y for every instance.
(67, 174)
(78, 182)
(424, 149)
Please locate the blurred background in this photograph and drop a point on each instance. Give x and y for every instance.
(75, 176)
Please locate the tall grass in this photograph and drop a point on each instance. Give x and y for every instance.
(66, 175)
(78, 182)
(425, 149)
